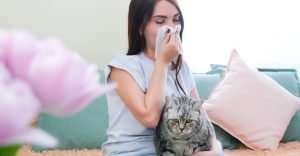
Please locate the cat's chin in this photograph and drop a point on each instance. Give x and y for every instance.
(180, 136)
(182, 132)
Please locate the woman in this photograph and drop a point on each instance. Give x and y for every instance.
(143, 80)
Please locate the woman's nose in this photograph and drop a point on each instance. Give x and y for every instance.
(172, 24)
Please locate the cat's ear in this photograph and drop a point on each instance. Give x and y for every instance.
(169, 102)
(197, 106)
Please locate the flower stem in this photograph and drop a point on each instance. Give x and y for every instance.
(9, 150)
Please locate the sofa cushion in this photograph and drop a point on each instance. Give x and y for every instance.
(292, 133)
(251, 106)
(205, 82)
(287, 78)
(86, 129)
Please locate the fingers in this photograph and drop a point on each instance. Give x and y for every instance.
(169, 47)
(173, 38)
(205, 153)
(167, 37)
(178, 39)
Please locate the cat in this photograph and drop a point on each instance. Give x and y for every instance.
(183, 128)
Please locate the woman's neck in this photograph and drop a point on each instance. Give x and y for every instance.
(149, 53)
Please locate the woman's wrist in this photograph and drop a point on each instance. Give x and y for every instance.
(161, 62)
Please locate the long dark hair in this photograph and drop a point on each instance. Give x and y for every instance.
(140, 13)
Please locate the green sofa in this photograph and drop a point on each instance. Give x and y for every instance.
(87, 129)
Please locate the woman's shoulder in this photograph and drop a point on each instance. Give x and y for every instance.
(127, 59)
(132, 64)
(130, 61)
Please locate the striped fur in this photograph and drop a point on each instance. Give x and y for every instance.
(183, 128)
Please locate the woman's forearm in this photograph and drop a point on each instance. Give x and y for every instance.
(156, 91)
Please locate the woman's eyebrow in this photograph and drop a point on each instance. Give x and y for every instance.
(178, 14)
(163, 16)
(159, 16)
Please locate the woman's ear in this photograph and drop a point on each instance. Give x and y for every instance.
(141, 31)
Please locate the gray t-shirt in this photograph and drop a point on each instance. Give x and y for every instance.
(126, 135)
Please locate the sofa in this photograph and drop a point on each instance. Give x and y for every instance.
(87, 129)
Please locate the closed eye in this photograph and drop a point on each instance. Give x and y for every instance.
(159, 19)
(177, 18)
(160, 22)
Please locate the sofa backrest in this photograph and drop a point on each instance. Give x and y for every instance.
(87, 129)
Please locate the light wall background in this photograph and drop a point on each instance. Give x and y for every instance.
(96, 29)
(265, 31)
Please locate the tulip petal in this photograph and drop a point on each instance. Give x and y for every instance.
(63, 81)
(5, 75)
(3, 34)
(33, 136)
(86, 99)
(18, 49)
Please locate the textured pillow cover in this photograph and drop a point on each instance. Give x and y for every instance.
(205, 82)
(287, 78)
(251, 106)
(86, 129)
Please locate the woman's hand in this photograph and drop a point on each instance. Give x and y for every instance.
(169, 48)
(206, 153)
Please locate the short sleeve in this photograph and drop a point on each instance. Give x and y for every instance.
(130, 64)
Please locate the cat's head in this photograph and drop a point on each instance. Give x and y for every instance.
(183, 114)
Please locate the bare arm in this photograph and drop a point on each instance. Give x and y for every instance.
(147, 107)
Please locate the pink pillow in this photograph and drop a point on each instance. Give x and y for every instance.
(251, 106)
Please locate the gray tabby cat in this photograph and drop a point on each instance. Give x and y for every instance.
(183, 128)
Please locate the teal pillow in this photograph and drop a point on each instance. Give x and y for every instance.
(292, 133)
(288, 79)
(86, 129)
(227, 140)
(205, 83)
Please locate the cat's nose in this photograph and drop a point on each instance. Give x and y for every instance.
(181, 129)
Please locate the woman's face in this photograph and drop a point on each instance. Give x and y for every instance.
(164, 13)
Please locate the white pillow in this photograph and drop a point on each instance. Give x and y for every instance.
(251, 106)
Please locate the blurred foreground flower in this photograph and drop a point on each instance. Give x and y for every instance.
(18, 106)
(40, 75)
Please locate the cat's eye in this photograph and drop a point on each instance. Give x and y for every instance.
(189, 121)
(175, 120)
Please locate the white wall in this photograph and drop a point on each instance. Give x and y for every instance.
(262, 31)
(96, 29)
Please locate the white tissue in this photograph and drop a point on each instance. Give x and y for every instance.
(162, 31)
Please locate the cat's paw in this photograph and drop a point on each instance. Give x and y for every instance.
(168, 154)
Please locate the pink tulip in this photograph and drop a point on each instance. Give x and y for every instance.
(18, 49)
(62, 80)
(18, 107)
